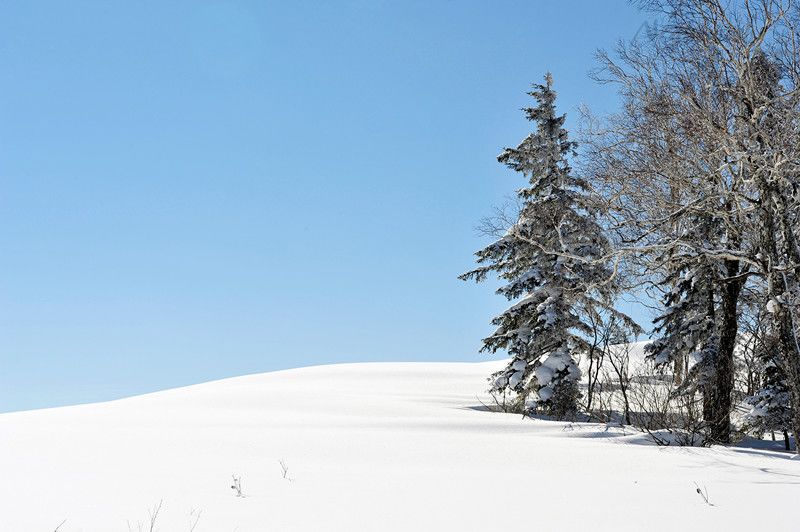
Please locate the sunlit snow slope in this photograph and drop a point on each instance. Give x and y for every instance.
(369, 447)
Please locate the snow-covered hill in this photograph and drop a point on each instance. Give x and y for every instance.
(400, 446)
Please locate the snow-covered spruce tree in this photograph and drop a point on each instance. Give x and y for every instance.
(552, 260)
(687, 331)
(771, 409)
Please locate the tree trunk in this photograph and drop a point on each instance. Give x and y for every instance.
(677, 372)
(708, 404)
(792, 365)
(790, 349)
(627, 413)
(722, 387)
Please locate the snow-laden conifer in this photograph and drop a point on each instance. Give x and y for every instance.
(770, 406)
(770, 410)
(553, 263)
(686, 336)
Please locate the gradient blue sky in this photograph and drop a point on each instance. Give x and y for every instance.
(195, 190)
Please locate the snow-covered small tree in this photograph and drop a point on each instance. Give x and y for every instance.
(553, 261)
(686, 336)
(771, 409)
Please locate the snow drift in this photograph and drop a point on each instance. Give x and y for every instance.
(391, 446)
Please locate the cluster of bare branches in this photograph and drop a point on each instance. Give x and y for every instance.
(150, 524)
(625, 391)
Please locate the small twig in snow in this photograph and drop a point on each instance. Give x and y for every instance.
(194, 517)
(154, 515)
(285, 470)
(703, 493)
(237, 485)
(153, 518)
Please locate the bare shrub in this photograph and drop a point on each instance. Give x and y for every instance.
(664, 413)
(505, 402)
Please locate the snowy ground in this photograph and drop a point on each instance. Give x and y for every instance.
(369, 447)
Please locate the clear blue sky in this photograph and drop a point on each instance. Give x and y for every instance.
(195, 190)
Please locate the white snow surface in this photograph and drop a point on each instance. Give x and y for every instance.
(369, 447)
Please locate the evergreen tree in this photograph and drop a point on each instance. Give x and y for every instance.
(687, 337)
(686, 329)
(552, 260)
(771, 409)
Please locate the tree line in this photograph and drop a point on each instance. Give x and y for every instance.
(689, 193)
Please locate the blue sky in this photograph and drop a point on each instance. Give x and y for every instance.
(195, 190)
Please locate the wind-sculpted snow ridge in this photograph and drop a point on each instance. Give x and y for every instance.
(364, 447)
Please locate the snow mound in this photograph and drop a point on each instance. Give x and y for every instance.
(393, 446)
